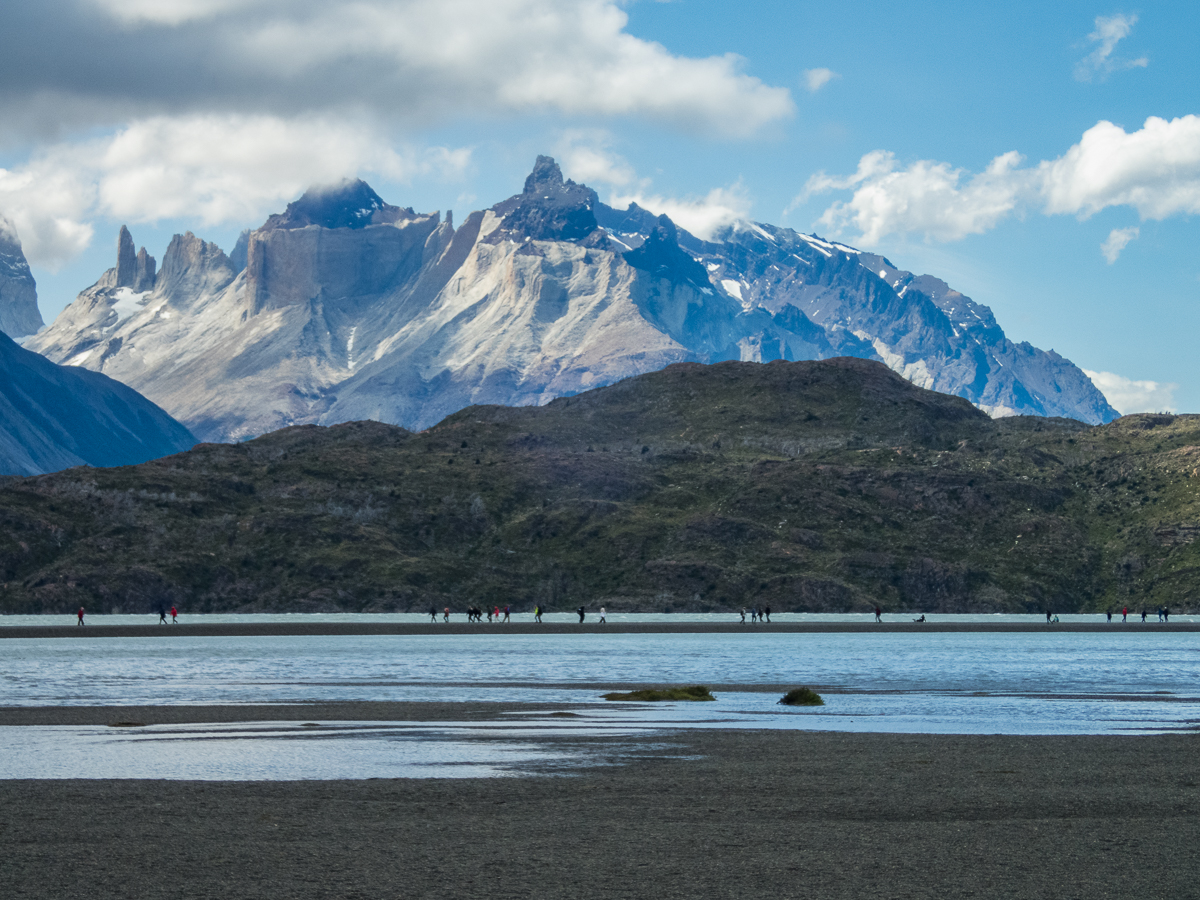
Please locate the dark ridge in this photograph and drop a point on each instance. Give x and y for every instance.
(351, 204)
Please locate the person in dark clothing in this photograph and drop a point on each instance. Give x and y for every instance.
(537, 613)
(162, 616)
(433, 614)
(1166, 615)
(1109, 614)
(81, 615)
(1143, 615)
(767, 613)
(581, 615)
(1047, 617)
(878, 614)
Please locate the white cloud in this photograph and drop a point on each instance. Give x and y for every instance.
(1128, 396)
(402, 60)
(815, 79)
(217, 169)
(165, 12)
(587, 157)
(1155, 170)
(1118, 239)
(928, 197)
(1110, 30)
(702, 216)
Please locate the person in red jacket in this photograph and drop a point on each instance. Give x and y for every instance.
(174, 616)
(81, 615)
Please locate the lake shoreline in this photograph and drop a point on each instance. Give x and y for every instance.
(285, 629)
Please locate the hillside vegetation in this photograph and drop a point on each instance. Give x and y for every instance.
(828, 485)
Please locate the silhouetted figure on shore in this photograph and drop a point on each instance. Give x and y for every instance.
(446, 614)
(162, 615)
(537, 614)
(581, 615)
(1109, 614)
(922, 619)
(1166, 615)
(878, 614)
(433, 614)
(743, 615)
(1143, 615)
(1124, 615)
(767, 613)
(1047, 617)
(81, 615)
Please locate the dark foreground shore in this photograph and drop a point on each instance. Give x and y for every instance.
(260, 629)
(694, 815)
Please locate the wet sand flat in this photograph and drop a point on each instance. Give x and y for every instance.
(697, 814)
(260, 629)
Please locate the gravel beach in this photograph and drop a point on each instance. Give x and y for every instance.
(693, 814)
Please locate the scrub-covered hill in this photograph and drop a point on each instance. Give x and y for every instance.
(804, 486)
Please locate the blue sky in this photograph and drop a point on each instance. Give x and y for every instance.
(206, 115)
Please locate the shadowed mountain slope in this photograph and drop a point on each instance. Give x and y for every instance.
(53, 417)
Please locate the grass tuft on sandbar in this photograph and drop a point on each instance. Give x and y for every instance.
(802, 696)
(694, 693)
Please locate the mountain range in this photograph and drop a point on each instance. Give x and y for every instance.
(346, 308)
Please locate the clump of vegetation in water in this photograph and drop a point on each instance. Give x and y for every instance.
(802, 697)
(693, 693)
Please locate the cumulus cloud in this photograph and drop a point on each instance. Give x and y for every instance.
(588, 157)
(217, 169)
(1128, 396)
(1109, 31)
(103, 62)
(1118, 239)
(815, 79)
(1155, 170)
(926, 197)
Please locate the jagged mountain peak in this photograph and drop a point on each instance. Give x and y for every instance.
(351, 203)
(548, 209)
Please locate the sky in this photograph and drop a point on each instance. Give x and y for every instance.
(1044, 159)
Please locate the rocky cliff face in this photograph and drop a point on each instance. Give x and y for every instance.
(19, 314)
(344, 308)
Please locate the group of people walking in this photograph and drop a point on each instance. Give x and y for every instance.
(475, 614)
(756, 614)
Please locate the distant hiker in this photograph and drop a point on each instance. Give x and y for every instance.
(1109, 614)
(433, 614)
(496, 613)
(603, 621)
(1143, 615)
(162, 615)
(878, 614)
(1166, 615)
(580, 611)
(754, 614)
(1047, 617)
(489, 615)
(767, 613)
(1160, 614)
(81, 615)
(446, 614)
(743, 615)
(174, 616)
(1124, 615)
(506, 611)
(537, 613)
